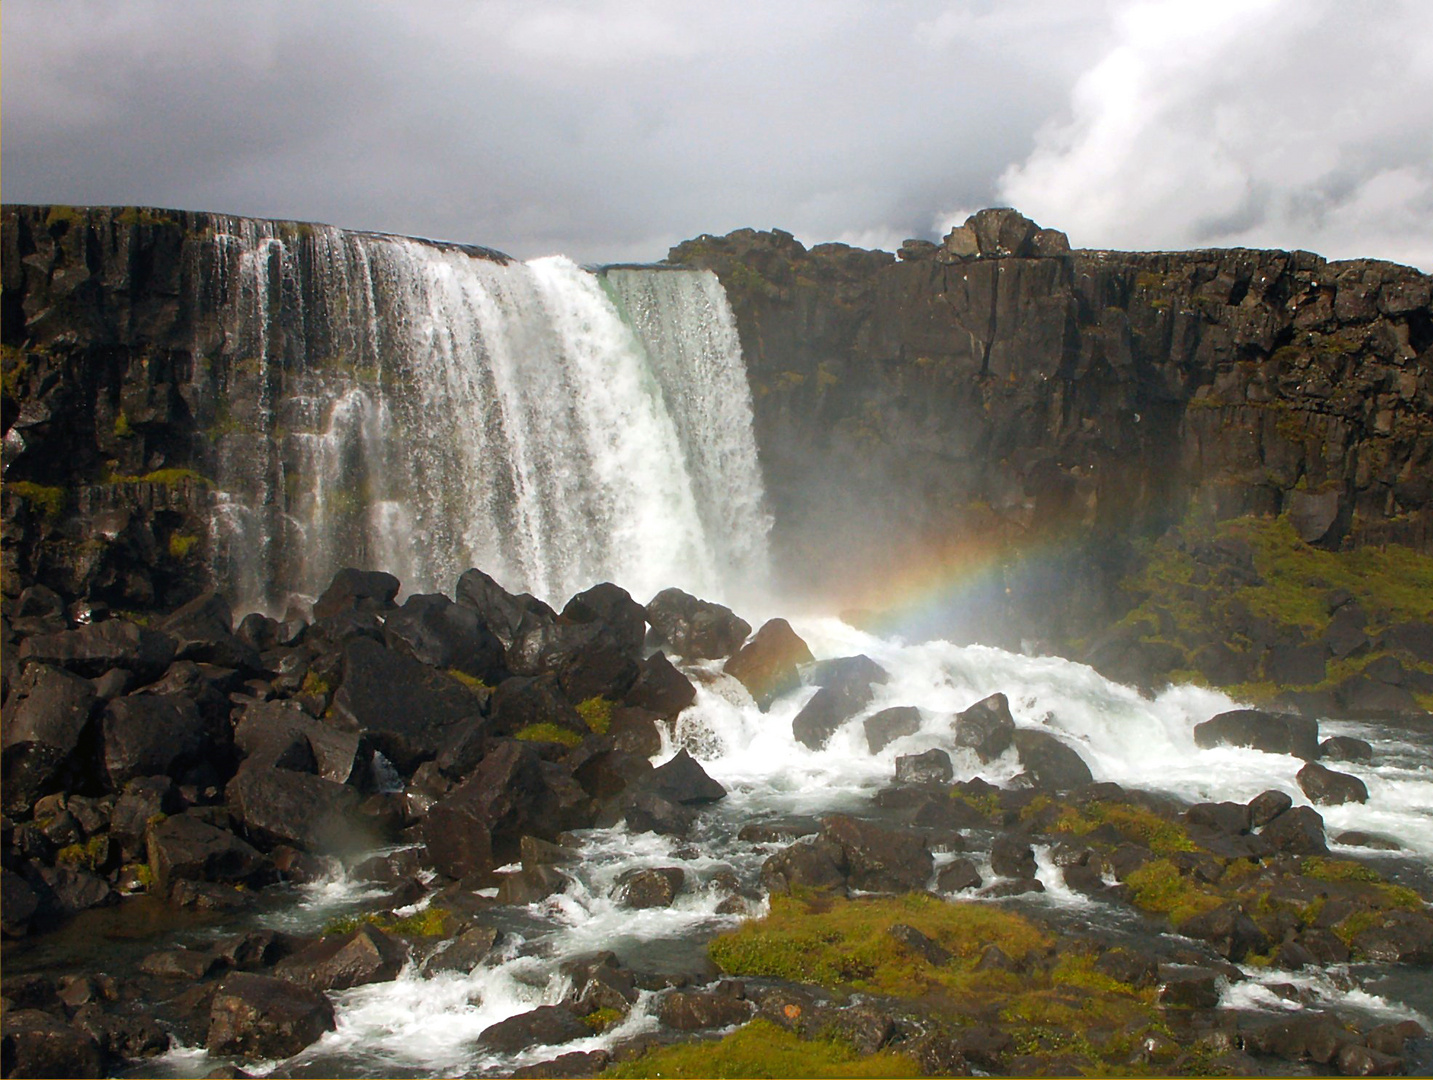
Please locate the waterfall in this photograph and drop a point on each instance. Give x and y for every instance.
(386, 403)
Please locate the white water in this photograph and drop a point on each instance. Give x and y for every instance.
(390, 404)
(429, 1025)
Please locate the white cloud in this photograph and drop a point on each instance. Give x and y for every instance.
(1284, 123)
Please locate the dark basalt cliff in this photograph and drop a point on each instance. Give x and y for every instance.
(1000, 397)
(998, 401)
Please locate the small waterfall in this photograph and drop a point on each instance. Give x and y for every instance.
(380, 402)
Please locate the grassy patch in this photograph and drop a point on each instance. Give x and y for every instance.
(596, 713)
(49, 501)
(64, 215)
(163, 477)
(1159, 887)
(432, 921)
(1321, 869)
(548, 733)
(763, 1049)
(180, 544)
(599, 1020)
(1161, 836)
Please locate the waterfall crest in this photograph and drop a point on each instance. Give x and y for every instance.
(380, 402)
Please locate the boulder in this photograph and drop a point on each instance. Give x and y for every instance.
(589, 662)
(660, 688)
(986, 727)
(1295, 665)
(281, 734)
(152, 735)
(1345, 748)
(46, 716)
(361, 591)
(277, 806)
(142, 800)
(18, 904)
(957, 876)
(694, 1010)
(523, 701)
(1049, 762)
(767, 664)
(1299, 831)
(1329, 788)
(531, 884)
(261, 1018)
(929, 951)
(522, 623)
(932, 767)
(1190, 987)
(1012, 857)
(34, 1043)
(877, 859)
(95, 648)
(845, 689)
(567, 1066)
(1270, 732)
(888, 725)
(464, 952)
(433, 630)
(848, 671)
(1306, 1037)
(1414, 638)
(1363, 697)
(682, 780)
(404, 709)
(547, 1025)
(1228, 929)
(612, 607)
(695, 629)
(1266, 806)
(203, 631)
(650, 888)
(647, 811)
(812, 863)
(339, 961)
(185, 847)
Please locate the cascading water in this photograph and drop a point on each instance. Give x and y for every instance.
(421, 409)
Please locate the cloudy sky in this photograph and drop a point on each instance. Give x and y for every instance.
(610, 129)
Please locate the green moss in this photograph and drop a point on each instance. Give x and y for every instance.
(987, 804)
(472, 682)
(1321, 869)
(64, 215)
(315, 684)
(432, 921)
(143, 215)
(90, 854)
(601, 1019)
(49, 501)
(596, 713)
(164, 477)
(763, 1049)
(122, 427)
(1135, 824)
(1160, 888)
(180, 544)
(548, 733)
(144, 874)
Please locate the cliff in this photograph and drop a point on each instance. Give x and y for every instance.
(1000, 401)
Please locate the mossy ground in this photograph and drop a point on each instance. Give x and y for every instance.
(760, 1048)
(430, 922)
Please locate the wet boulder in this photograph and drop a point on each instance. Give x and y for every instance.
(931, 767)
(1188, 986)
(809, 863)
(1049, 762)
(623, 620)
(525, 701)
(203, 631)
(1266, 806)
(589, 662)
(660, 688)
(647, 811)
(404, 709)
(547, 1025)
(261, 1017)
(1256, 729)
(464, 952)
(695, 1010)
(142, 800)
(278, 806)
(878, 859)
(185, 847)
(1299, 831)
(34, 1043)
(845, 689)
(361, 591)
(1228, 929)
(95, 648)
(152, 735)
(283, 735)
(433, 630)
(1345, 748)
(682, 780)
(650, 887)
(695, 629)
(45, 718)
(986, 727)
(888, 725)
(767, 664)
(1329, 788)
(958, 876)
(339, 961)
(1012, 857)
(569, 1066)
(523, 623)
(1309, 1037)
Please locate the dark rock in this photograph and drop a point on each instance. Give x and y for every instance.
(1309, 1037)
(932, 767)
(877, 859)
(1270, 732)
(1362, 697)
(1127, 966)
(694, 1010)
(261, 1017)
(1414, 638)
(807, 864)
(404, 709)
(1295, 665)
(650, 888)
(339, 961)
(45, 718)
(464, 952)
(433, 630)
(931, 952)
(185, 847)
(1012, 857)
(151, 735)
(888, 725)
(683, 780)
(1358, 838)
(1228, 929)
(848, 671)
(203, 631)
(94, 649)
(1329, 788)
(695, 629)
(864, 1027)
(623, 620)
(1266, 806)
(845, 690)
(573, 1065)
(121, 1036)
(258, 631)
(986, 727)
(547, 1025)
(1299, 831)
(1346, 634)
(282, 735)
(1049, 762)
(257, 949)
(362, 591)
(18, 904)
(1398, 937)
(767, 664)
(276, 806)
(521, 702)
(33, 1043)
(1392, 1039)
(1355, 1060)
(958, 876)
(1345, 748)
(634, 731)
(190, 965)
(1230, 818)
(647, 811)
(1190, 987)
(531, 884)
(522, 623)
(661, 688)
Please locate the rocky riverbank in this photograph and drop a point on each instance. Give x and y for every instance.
(174, 767)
